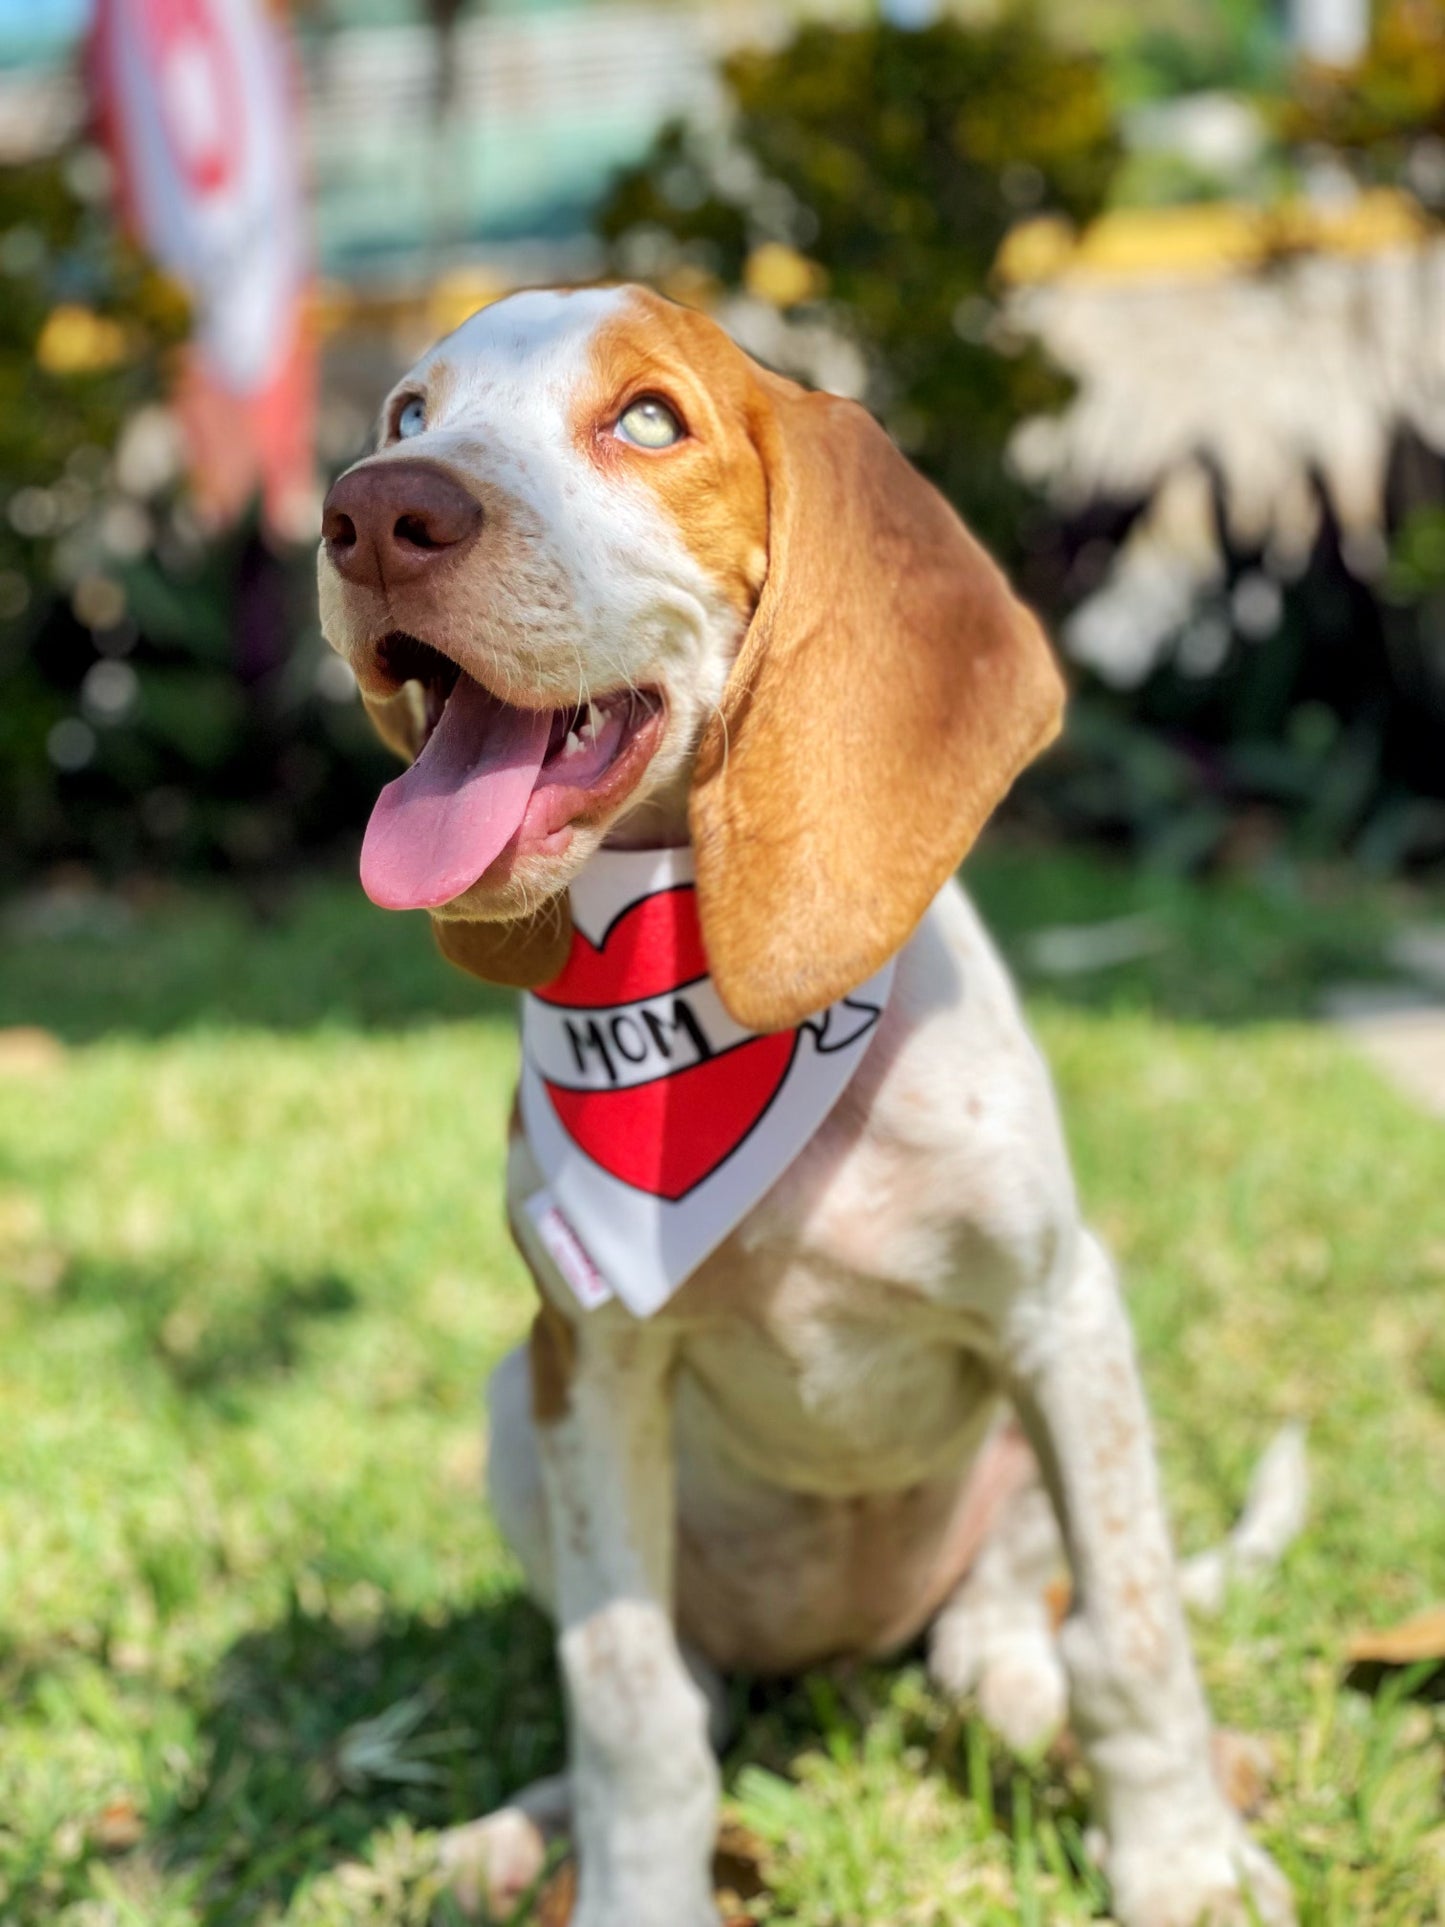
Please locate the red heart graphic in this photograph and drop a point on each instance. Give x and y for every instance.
(652, 946)
(667, 1135)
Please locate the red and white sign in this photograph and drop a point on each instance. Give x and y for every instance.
(657, 1120)
(197, 105)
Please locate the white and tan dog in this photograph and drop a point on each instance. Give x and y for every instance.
(606, 579)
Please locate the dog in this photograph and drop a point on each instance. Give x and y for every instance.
(664, 599)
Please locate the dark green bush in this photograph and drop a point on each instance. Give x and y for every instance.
(161, 704)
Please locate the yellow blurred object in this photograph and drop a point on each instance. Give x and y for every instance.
(333, 306)
(1037, 250)
(783, 277)
(459, 294)
(417, 313)
(427, 311)
(77, 341)
(1214, 238)
(1384, 217)
(692, 287)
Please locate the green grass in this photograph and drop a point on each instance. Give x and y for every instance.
(257, 1635)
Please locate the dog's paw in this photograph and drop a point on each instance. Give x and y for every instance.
(1023, 1692)
(955, 1652)
(491, 1864)
(1237, 1885)
(1018, 1676)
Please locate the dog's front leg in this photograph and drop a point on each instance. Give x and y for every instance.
(1177, 1855)
(644, 1780)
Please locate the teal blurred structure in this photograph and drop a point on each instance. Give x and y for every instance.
(509, 130)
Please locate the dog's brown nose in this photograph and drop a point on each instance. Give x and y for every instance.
(387, 523)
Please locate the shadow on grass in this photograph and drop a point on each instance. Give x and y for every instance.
(317, 953)
(319, 1732)
(215, 1339)
(1425, 1680)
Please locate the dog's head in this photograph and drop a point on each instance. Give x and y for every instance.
(606, 576)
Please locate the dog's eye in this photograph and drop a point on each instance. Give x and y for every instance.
(412, 419)
(649, 423)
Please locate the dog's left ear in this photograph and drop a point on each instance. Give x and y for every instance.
(889, 689)
(519, 954)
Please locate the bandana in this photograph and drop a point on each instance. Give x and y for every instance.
(658, 1122)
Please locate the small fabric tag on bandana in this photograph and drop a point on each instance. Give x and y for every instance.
(567, 1252)
(657, 1121)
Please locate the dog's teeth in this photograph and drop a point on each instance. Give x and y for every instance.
(572, 744)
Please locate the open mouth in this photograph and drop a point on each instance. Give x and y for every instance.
(493, 777)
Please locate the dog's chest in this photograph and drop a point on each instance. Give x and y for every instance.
(840, 1339)
(831, 1384)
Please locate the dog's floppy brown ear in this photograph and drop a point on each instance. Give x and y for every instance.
(888, 690)
(397, 720)
(521, 953)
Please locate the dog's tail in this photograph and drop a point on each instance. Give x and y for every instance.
(1274, 1514)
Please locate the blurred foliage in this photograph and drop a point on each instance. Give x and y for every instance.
(1417, 570)
(161, 697)
(1230, 45)
(57, 426)
(1384, 111)
(897, 160)
(1298, 718)
(58, 254)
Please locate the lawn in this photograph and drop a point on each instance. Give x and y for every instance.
(257, 1635)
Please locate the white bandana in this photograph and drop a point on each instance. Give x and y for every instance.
(657, 1121)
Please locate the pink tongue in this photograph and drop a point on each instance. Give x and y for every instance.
(436, 828)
